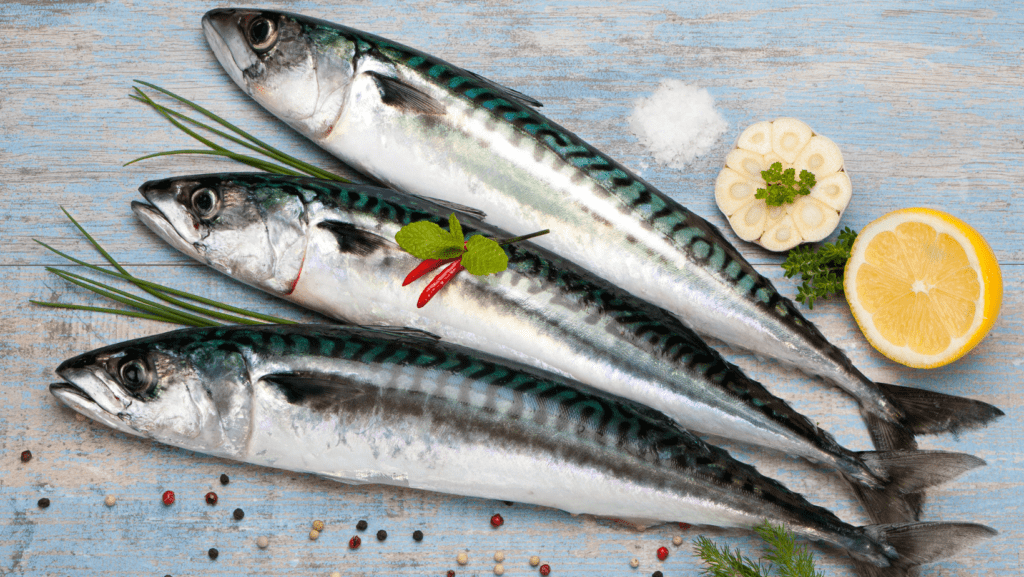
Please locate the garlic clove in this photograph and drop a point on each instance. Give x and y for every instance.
(814, 219)
(748, 221)
(756, 138)
(835, 191)
(732, 191)
(771, 158)
(783, 235)
(749, 164)
(820, 156)
(775, 214)
(789, 136)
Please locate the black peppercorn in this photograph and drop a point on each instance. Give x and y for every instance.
(44, 503)
(381, 535)
(224, 479)
(238, 514)
(26, 456)
(657, 574)
(213, 553)
(361, 525)
(417, 535)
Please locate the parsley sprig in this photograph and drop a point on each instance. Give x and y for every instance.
(783, 186)
(438, 247)
(792, 560)
(822, 270)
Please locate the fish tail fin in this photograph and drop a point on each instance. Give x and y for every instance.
(903, 475)
(913, 544)
(923, 412)
(928, 412)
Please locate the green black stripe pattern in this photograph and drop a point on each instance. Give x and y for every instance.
(701, 240)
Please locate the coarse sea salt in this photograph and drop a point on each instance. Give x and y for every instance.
(677, 123)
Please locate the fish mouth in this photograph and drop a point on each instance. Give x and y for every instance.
(159, 223)
(85, 391)
(221, 28)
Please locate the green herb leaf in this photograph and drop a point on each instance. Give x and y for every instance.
(425, 240)
(821, 270)
(724, 563)
(782, 185)
(456, 228)
(484, 256)
(791, 559)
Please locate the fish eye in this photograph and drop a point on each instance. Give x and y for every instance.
(205, 202)
(135, 374)
(262, 34)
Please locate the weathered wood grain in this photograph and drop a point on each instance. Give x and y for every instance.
(924, 100)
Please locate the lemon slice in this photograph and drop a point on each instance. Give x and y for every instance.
(923, 285)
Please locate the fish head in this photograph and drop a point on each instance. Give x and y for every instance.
(296, 67)
(172, 388)
(243, 225)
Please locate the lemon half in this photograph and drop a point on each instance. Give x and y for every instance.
(923, 285)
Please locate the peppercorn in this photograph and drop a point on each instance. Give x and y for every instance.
(110, 501)
(634, 562)
(381, 535)
(535, 560)
(499, 569)
(314, 535)
(238, 514)
(462, 558)
(318, 525)
(26, 456)
(417, 535)
(361, 525)
(213, 553)
(545, 569)
(685, 526)
(662, 553)
(451, 573)
(499, 557)
(657, 574)
(211, 498)
(677, 540)
(354, 542)
(224, 480)
(262, 542)
(497, 520)
(168, 498)
(43, 503)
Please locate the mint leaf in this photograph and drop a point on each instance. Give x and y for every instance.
(484, 256)
(425, 240)
(456, 228)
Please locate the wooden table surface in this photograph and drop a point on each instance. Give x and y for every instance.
(924, 99)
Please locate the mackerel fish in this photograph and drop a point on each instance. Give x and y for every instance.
(369, 406)
(330, 247)
(424, 126)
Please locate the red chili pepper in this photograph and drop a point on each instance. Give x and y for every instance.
(424, 267)
(497, 521)
(168, 497)
(662, 553)
(438, 282)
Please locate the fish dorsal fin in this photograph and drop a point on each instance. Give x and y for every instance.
(318, 391)
(404, 332)
(353, 239)
(508, 92)
(394, 92)
(474, 212)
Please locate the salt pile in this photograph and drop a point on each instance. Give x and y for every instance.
(677, 123)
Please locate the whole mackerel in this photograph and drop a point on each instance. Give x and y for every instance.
(369, 406)
(427, 127)
(330, 247)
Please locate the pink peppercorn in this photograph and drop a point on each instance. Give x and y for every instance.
(662, 553)
(168, 498)
(355, 542)
(211, 498)
(545, 569)
(497, 520)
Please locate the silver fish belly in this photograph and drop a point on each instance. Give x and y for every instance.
(328, 246)
(427, 127)
(360, 405)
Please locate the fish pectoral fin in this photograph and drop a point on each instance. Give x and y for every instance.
(352, 239)
(394, 92)
(316, 390)
(508, 92)
(474, 212)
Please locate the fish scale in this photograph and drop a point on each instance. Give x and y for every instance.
(355, 415)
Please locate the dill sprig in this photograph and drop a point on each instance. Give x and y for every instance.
(178, 309)
(790, 559)
(820, 270)
(280, 162)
